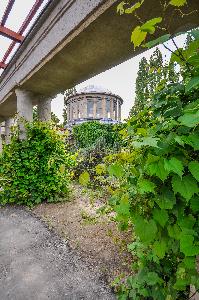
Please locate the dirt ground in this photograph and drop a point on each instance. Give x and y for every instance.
(95, 237)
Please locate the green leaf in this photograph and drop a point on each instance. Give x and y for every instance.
(159, 248)
(192, 140)
(149, 26)
(157, 41)
(187, 245)
(194, 169)
(116, 170)
(187, 186)
(123, 207)
(193, 83)
(178, 2)
(153, 278)
(131, 9)
(146, 186)
(190, 263)
(84, 178)
(158, 169)
(120, 8)
(174, 231)
(195, 203)
(190, 119)
(195, 34)
(138, 36)
(174, 165)
(146, 230)
(186, 222)
(166, 200)
(161, 216)
(146, 141)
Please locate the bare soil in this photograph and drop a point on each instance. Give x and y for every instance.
(95, 237)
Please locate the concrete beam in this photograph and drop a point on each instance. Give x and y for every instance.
(44, 110)
(24, 110)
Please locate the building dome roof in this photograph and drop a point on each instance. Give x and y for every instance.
(94, 89)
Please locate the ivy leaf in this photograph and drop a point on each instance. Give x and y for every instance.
(146, 186)
(187, 245)
(131, 9)
(187, 186)
(84, 178)
(159, 247)
(149, 26)
(138, 36)
(178, 2)
(195, 203)
(174, 165)
(120, 8)
(193, 83)
(157, 41)
(190, 119)
(146, 230)
(166, 200)
(194, 169)
(158, 169)
(161, 216)
(116, 170)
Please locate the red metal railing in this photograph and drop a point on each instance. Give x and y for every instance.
(16, 37)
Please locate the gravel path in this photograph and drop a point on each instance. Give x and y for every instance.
(35, 264)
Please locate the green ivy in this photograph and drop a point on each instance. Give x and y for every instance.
(36, 169)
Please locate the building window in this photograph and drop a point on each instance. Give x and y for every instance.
(99, 108)
(90, 108)
(108, 107)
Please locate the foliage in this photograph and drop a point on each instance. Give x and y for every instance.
(54, 118)
(88, 133)
(67, 94)
(35, 169)
(159, 191)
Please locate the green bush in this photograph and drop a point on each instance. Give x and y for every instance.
(88, 133)
(36, 169)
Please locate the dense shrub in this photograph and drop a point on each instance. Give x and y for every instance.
(35, 169)
(88, 133)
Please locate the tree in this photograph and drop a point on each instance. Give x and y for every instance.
(67, 94)
(141, 90)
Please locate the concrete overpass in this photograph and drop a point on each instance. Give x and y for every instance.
(72, 41)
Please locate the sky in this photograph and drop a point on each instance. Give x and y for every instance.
(119, 80)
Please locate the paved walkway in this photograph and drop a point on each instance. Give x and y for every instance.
(36, 265)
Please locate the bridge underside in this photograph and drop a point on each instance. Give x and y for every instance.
(50, 61)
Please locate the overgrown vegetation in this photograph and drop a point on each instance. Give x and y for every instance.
(36, 169)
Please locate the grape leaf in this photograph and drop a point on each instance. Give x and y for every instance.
(157, 168)
(159, 247)
(158, 41)
(194, 169)
(195, 203)
(120, 8)
(192, 140)
(187, 186)
(174, 165)
(146, 186)
(178, 2)
(193, 83)
(190, 119)
(84, 178)
(174, 231)
(153, 278)
(166, 200)
(146, 230)
(161, 216)
(138, 36)
(187, 245)
(116, 170)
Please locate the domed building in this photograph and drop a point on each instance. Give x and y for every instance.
(93, 103)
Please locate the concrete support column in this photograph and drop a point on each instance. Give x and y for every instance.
(94, 109)
(44, 110)
(68, 113)
(8, 125)
(24, 110)
(104, 114)
(1, 143)
(85, 107)
(116, 110)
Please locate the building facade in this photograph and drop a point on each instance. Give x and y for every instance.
(93, 103)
